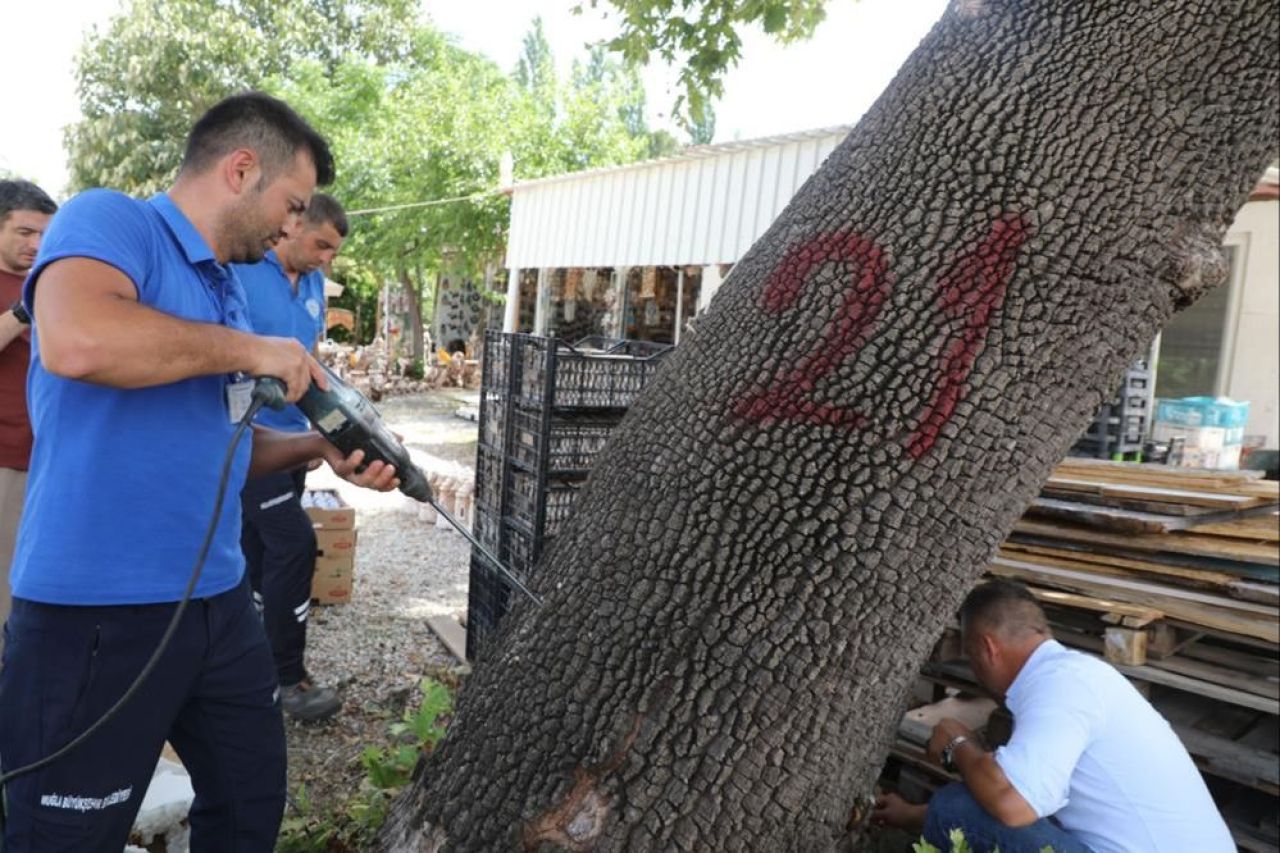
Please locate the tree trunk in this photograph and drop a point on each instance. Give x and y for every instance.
(412, 288)
(782, 526)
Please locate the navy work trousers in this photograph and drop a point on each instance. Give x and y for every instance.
(953, 807)
(212, 695)
(279, 546)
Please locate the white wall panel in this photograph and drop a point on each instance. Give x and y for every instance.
(703, 207)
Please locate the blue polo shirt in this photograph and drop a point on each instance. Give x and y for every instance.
(276, 310)
(122, 481)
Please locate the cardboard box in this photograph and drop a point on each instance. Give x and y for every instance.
(1204, 446)
(327, 510)
(1203, 437)
(335, 543)
(335, 566)
(333, 580)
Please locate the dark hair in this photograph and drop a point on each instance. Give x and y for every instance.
(24, 195)
(1004, 607)
(267, 126)
(325, 208)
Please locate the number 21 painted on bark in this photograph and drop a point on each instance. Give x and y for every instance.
(969, 294)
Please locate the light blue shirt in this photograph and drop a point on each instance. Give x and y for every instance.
(276, 309)
(122, 480)
(1089, 750)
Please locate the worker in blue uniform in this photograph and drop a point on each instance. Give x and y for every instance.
(286, 299)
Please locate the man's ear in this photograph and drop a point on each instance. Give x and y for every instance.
(990, 646)
(241, 170)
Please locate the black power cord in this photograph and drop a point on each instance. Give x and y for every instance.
(243, 424)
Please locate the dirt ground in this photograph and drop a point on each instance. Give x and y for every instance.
(376, 648)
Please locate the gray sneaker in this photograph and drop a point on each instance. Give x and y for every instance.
(308, 703)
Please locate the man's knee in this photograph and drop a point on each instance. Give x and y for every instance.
(951, 807)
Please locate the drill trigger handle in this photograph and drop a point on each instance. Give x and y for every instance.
(270, 391)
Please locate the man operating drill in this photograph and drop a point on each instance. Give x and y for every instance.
(141, 368)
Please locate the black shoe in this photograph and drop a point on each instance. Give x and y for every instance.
(308, 703)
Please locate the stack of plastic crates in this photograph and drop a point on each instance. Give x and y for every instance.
(1120, 428)
(547, 408)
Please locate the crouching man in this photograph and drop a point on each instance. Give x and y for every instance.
(1091, 765)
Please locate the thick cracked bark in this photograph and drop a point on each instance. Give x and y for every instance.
(770, 545)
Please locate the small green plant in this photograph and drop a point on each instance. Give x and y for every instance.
(354, 825)
(391, 767)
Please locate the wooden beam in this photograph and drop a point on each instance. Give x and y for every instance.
(1174, 543)
(1125, 646)
(1237, 617)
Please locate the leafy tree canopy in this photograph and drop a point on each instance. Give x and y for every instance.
(412, 117)
(701, 37)
(152, 68)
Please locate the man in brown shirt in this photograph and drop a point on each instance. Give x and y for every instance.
(25, 210)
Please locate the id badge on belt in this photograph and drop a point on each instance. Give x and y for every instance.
(239, 396)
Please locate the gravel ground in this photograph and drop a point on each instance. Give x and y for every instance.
(376, 648)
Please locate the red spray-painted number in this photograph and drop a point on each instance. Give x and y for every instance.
(789, 397)
(970, 293)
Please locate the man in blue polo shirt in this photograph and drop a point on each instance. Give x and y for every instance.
(286, 299)
(140, 363)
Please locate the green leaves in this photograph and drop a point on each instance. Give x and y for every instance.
(387, 768)
(410, 116)
(701, 38)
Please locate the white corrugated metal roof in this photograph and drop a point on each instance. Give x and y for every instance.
(706, 205)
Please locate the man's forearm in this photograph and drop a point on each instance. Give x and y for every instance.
(128, 345)
(10, 328)
(274, 450)
(990, 787)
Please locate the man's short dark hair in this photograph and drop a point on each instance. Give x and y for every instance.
(24, 195)
(325, 208)
(1003, 607)
(265, 125)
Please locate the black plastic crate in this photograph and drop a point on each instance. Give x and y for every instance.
(570, 445)
(1129, 428)
(558, 375)
(620, 346)
(493, 419)
(541, 506)
(1106, 449)
(497, 358)
(488, 600)
(486, 528)
(520, 550)
(489, 480)
(560, 500)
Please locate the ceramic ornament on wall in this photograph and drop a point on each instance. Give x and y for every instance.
(649, 283)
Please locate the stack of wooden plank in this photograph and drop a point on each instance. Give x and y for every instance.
(1172, 575)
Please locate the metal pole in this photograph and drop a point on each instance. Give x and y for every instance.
(511, 318)
(679, 303)
(541, 304)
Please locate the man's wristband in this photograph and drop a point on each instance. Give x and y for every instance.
(949, 752)
(20, 313)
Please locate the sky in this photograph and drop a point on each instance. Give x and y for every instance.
(829, 80)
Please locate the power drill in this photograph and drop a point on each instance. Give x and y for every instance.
(348, 421)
